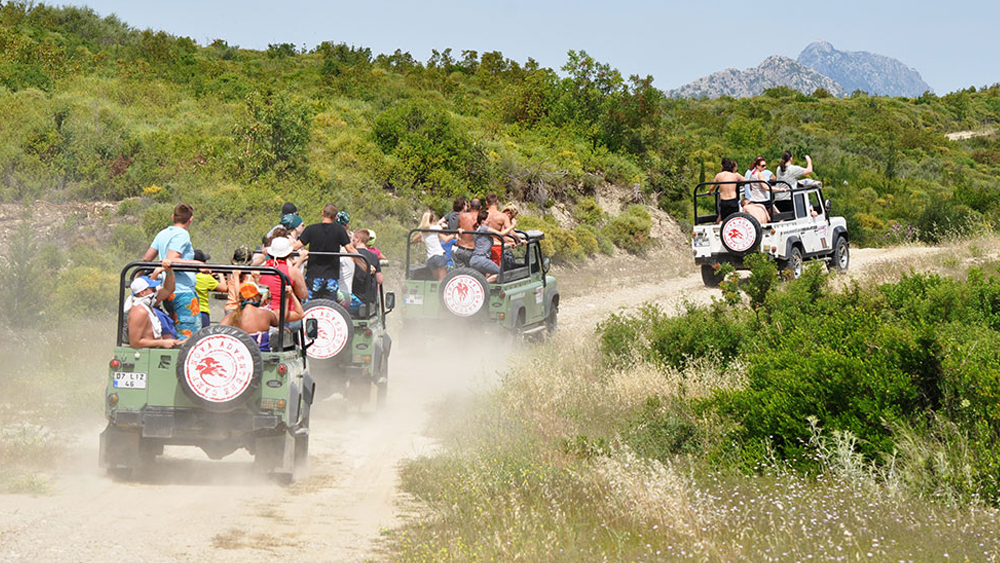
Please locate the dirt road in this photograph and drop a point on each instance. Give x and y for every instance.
(191, 509)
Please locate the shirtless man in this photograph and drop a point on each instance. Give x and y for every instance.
(144, 326)
(466, 242)
(252, 317)
(500, 222)
(729, 201)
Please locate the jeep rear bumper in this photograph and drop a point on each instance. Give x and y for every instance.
(184, 425)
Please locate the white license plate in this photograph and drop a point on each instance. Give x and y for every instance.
(129, 380)
(413, 299)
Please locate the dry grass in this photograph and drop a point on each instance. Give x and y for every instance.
(509, 489)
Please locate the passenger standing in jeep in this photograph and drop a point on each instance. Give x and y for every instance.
(323, 272)
(174, 243)
(728, 184)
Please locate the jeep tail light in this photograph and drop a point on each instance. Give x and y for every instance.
(368, 359)
(773, 231)
(368, 332)
(282, 369)
(115, 362)
(774, 250)
(113, 398)
(281, 404)
(503, 294)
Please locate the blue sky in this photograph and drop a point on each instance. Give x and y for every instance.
(952, 44)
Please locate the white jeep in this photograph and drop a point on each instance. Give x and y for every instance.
(800, 228)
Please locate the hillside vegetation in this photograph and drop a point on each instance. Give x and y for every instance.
(91, 109)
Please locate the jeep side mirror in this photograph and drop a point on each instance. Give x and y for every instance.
(545, 265)
(826, 205)
(390, 301)
(312, 328)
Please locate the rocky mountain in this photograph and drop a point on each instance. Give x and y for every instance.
(774, 71)
(860, 70)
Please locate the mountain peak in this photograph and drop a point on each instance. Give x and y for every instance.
(861, 70)
(772, 72)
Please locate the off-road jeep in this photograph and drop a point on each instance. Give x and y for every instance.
(524, 299)
(217, 391)
(351, 352)
(800, 229)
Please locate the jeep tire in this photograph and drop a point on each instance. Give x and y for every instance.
(219, 368)
(710, 276)
(736, 232)
(464, 294)
(794, 264)
(841, 258)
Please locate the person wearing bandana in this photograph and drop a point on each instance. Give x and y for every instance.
(147, 325)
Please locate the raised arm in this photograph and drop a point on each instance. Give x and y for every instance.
(809, 166)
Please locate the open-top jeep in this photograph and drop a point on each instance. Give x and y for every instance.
(217, 391)
(351, 352)
(800, 228)
(524, 298)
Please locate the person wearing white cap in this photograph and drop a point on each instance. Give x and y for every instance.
(147, 326)
(278, 252)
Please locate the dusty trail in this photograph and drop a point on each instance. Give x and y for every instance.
(191, 509)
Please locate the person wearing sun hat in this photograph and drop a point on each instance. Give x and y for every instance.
(278, 252)
(148, 327)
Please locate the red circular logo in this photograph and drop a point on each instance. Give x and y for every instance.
(331, 336)
(464, 295)
(738, 234)
(218, 368)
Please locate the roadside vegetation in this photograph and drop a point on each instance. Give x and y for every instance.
(791, 421)
(95, 110)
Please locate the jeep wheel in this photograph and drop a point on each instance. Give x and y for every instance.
(740, 234)
(794, 263)
(552, 319)
(382, 383)
(336, 330)
(710, 276)
(841, 258)
(219, 367)
(465, 294)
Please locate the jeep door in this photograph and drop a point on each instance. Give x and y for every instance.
(534, 298)
(814, 228)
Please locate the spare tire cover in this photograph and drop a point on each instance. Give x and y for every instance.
(219, 367)
(464, 293)
(740, 233)
(335, 329)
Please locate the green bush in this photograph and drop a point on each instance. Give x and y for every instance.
(588, 212)
(630, 229)
(946, 219)
(587, 240)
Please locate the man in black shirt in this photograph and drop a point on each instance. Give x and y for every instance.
(323, 272)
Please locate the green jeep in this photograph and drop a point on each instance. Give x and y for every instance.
(524, 299)
(218, 391)
(350, 355)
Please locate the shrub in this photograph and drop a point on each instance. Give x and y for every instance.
(587, 240)
(946, 219)
(630, 229)
(588, 212)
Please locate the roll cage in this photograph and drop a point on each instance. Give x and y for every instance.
(133, 269)
(371, 264)
(523, 237)
(796, 194)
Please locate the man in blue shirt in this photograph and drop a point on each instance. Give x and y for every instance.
(174, 243)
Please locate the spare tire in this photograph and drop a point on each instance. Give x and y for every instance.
(464, 293)
(740, 234)
(336, 331)
(219, 367)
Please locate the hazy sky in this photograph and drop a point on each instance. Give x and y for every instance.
(952, 44)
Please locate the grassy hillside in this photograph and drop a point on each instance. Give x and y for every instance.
(91, 109)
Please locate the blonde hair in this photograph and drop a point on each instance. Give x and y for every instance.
(426, 220)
